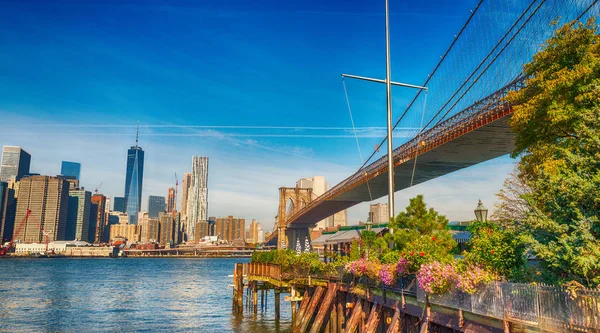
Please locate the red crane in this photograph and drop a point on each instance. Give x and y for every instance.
(98, 188)
(4, 249)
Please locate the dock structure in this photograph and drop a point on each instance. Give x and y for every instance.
(334, 303)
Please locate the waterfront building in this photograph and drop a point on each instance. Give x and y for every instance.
(133, 181)
(202, 230)
(185, 188)
(92, 225)
(119, 204)
(15, 163)
(171, 204)
(254, 233)
(98, 217)
(8, 206)
(68, 248)
(70, 169)
(379, 213)
(48, 198)
(169, 228)
(156, 205)
(198, 195)
(131, 232)
(230, 228)
(150, 230)
(78, 216)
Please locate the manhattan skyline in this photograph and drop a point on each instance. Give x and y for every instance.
(124, 74)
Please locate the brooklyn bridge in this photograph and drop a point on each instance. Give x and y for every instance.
(462, 119)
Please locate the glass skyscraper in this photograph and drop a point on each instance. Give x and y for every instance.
(119, 204)
(156, 205)
(133, 182)
(71, 169)
(197, 209)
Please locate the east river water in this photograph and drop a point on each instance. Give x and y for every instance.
(126, 295)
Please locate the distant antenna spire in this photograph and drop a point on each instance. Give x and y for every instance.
(137, 134)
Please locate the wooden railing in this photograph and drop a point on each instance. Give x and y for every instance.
(263, 270)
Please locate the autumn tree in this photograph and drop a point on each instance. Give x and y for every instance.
(512, 208)
(556, 118)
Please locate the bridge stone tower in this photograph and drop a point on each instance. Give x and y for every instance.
(291, 200)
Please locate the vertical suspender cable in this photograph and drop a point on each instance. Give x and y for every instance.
(354, 129)
(412, 178)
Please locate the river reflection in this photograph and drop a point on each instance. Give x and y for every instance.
(127, 295)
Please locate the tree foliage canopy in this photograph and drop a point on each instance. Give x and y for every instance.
(556, 120)
(421, 233)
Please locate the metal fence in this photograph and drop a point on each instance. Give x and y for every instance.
(547, 307)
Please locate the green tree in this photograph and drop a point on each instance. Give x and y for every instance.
(556, 117)
(421, 234)
(496, 249)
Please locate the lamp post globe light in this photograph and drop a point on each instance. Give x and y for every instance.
(481, 212)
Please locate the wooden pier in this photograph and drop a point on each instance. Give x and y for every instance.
(328, 303)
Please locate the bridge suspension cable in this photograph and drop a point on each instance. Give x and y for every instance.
(354, 129)
(442, 58)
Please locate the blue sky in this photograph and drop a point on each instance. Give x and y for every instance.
(76, 76)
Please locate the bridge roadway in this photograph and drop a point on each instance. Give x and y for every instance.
(476, 134)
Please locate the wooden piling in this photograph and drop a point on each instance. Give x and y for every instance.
(293, 304)
(238, 286)
(396, 325)
(277, 304)
(255, 298)
(262, 300)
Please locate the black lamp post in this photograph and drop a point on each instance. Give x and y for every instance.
(481, 212)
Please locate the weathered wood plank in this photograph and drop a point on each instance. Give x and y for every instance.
(374, 317)
(312, 307)
(324, 308)
(357, 312)
(303, 306)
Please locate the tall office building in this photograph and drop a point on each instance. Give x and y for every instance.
(98, 218)
(119, 204)
(48, 198)
(78, 216)
(133, 180)
(15, 163)
(156, 205)
(379, 213)
(171, 204)
(185, 188)
(169, 228)
(8, 208)
(255, 232)
(70, 169)
(198, 195)
(230, 228)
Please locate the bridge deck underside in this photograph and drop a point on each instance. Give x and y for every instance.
(482, 144)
